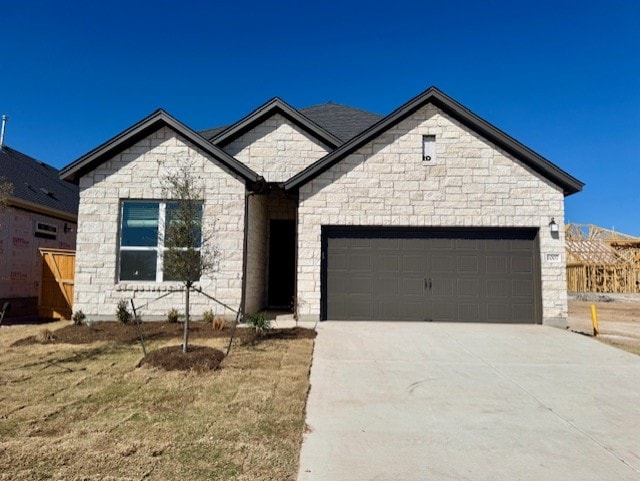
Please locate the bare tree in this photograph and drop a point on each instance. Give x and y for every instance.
(189, 252)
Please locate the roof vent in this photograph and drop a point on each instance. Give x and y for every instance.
(2, 129)
(47, 192)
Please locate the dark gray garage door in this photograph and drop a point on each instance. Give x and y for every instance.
(430, 275)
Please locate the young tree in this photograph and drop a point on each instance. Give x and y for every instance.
(189, 252)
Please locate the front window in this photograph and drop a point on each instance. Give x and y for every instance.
(144, 239)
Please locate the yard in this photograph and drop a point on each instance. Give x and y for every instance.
(85, 411)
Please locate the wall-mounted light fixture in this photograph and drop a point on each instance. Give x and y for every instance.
(66, 228)
(553, 227)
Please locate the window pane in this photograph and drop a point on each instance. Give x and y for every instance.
(140, 224)
(137, 265)
(176, 217)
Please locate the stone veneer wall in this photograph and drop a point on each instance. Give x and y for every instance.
(257, 253)
(263, 209)
(136, 173)
(276, 149)
(471, 183)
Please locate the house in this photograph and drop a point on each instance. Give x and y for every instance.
(41, 212)
(428, 213)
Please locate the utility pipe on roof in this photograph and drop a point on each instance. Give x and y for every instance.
(4, 125)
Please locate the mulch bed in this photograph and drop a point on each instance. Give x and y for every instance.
(197, 358)
(155, 331)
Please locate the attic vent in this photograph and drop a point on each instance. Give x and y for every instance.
(46, 231)
(429, 148)
(47, 192)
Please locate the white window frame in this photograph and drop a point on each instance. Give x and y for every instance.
(159, 248)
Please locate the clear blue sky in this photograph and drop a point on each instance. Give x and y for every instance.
(562, 77)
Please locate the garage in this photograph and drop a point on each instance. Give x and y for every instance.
(428, 274)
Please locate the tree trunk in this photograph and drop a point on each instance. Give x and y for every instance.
(185, 338)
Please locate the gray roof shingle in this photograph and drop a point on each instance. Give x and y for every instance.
(339, 120)
(342, 121)
(37, 182)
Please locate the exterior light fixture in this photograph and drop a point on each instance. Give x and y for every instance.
(553, 227)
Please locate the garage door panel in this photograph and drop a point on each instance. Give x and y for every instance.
(413, 310)
(360, 285)
(498, 312)
(337, 261)
(443, 287)
(497, 264)
(498, 288)
(359, 262)
(466, 264)
(522, 312)
(337, 286)
(522, 264)
(389, 263)
(468, 312)
(468, 287)
(442, 311)
(389, 287)
(441, 275)
(442, 264)
(522, 288)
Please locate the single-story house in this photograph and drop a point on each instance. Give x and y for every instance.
(41, 212)
(429, 213)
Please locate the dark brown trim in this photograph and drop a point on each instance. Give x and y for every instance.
(539, 164)
(142, 129)
(272, 107)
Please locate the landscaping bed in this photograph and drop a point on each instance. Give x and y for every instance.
(78, 407)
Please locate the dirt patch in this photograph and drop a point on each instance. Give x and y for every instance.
(157, 331)
(197, 358)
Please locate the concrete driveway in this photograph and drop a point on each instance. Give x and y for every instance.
(420, 401)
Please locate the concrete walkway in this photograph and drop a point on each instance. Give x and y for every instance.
(414, 401)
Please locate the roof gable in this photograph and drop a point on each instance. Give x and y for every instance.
(539, 164)
(272, 107)
(142, 129)
(37, 183)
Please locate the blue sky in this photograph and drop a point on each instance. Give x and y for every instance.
(561, 77)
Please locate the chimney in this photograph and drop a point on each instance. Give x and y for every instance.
(4, 126)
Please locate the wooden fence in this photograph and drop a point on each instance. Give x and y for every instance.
(56, 295)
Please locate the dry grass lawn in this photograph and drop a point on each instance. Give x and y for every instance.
(85, 412)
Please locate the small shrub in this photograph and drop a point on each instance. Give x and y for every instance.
(78, 318)
(259, 322)
(45, 336)
(219, 323)
(173, 316)
(122, 313)
(208, 316)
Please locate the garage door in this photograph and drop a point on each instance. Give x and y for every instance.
(468, 275)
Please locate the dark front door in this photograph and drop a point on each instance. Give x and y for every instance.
(472, 275)
(282, 254)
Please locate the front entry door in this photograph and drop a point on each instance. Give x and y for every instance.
(282, 252)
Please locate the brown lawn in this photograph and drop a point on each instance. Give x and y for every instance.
(86, 412)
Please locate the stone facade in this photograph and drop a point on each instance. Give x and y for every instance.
(262, 209)
(136, 173)
(471, 183)
(276, 149)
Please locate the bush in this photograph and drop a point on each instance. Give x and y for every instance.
(259, 322)
(173, 316)
(122, 313)
(78, 318)
(208, 316)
